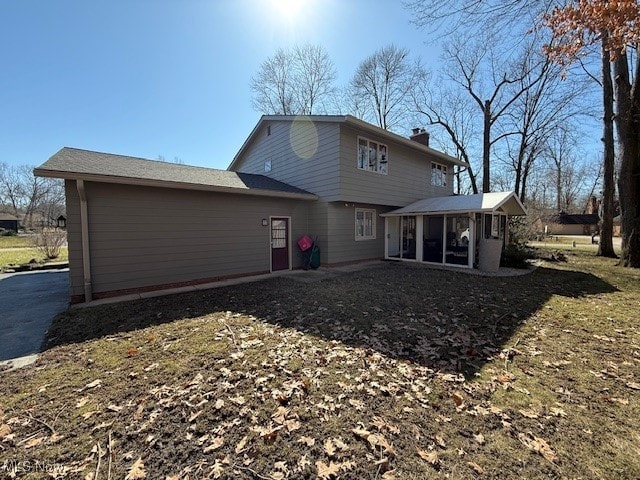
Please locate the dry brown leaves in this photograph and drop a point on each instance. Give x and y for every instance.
(538, 445)
(137, 470)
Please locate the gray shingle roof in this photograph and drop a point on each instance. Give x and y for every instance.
(73, 163)
(507, 202)
(7, 216)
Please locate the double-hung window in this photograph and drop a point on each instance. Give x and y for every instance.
(438, 175)
(365, 224)
(372, 156)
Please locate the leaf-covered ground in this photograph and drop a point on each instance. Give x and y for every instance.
(396, 371)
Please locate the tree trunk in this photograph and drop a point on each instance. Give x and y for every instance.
(473, 180)
(519, 172)
(605, 247)
(628, 128)
(525, 176)
(523, 190)
(559, 195)
(486, 148)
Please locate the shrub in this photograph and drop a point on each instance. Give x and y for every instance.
(517, 256)
(520, 230)
(7, 232)
(49, 242)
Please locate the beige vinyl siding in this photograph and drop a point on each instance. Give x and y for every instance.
(318, 174)
(343, 246)
(147, 236)
(74, 238)
(408, 178)
(318, 229)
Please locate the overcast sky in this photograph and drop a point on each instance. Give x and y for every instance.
(165, 77)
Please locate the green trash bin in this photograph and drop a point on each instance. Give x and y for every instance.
(311, 257)
(314, 257)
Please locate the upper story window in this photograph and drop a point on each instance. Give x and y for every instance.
(365, 224)
(267, 165)
(438, 174)
(372, 156)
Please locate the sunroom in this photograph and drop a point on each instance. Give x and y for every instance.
(466, 231)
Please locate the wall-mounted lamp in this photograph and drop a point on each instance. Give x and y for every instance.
(264, 222)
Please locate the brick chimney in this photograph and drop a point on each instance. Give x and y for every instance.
(594, 205)
(420, 135)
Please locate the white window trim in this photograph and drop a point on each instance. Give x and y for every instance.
(443, 168)
(386, 148)
(374, 214)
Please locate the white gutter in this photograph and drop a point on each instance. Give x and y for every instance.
(441, 212)
(84, 231)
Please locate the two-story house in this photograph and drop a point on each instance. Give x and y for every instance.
(364, 193)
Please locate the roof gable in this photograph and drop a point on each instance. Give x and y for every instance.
(347, 120)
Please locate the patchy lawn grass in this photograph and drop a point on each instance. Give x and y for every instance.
(396, 371)
(15, 242)
(582, 244)
(19, 256)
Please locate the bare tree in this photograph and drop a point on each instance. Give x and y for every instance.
(511, 41)
(52, 201)
(447, 17)
(11, 188)
(27, 194)
(451, 111)
(494, 82)
(568, 174)
(44, 196)
(298, 81)
(273, 87)
(572, 177)
(383, 83)
(550, 104)
(316, 74)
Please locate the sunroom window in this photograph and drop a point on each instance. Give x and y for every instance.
(372, 156)
(365, 224)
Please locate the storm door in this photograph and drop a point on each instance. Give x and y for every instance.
(279, 244)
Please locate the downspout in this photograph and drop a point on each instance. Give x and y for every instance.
(84, 231)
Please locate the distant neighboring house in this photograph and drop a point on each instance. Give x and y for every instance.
(34, 220)
(364, 193)
(8, 221)
(617, 226)
(568, 224)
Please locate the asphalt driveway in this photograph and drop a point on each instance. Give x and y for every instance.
(28, 303)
